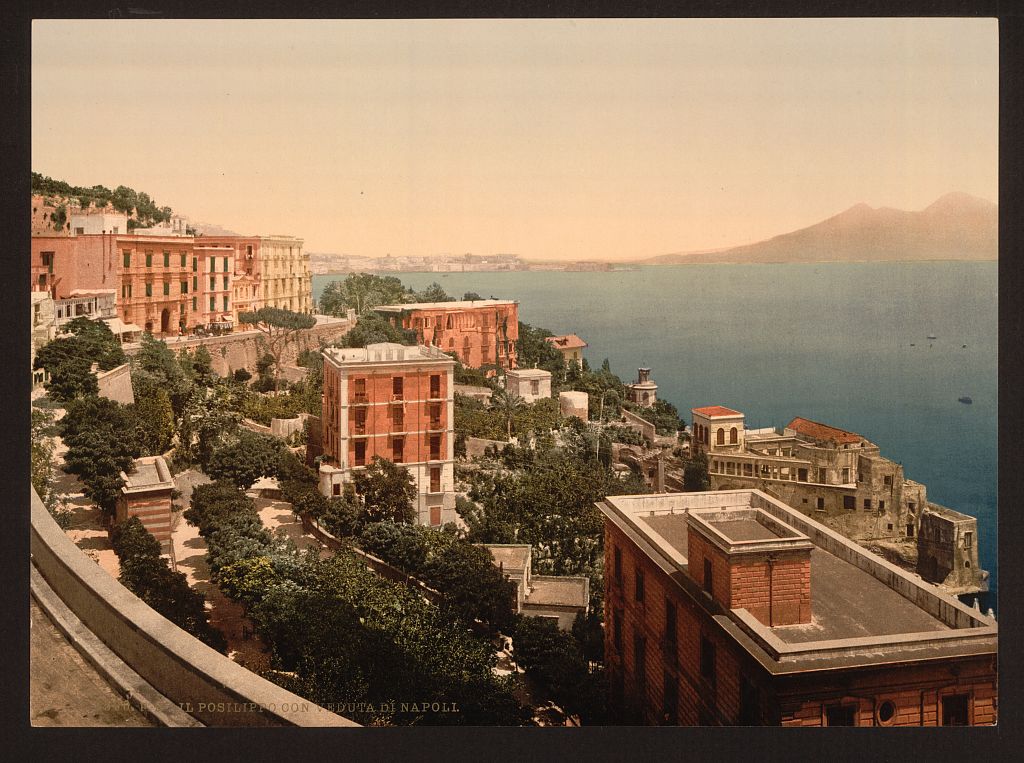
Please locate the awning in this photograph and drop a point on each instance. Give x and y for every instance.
(120, 327)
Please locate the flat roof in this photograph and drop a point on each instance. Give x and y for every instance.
(514, 556)
(863, 608)
(559, 591)
(711, 411)
(386, 352)
(456, 305)
(148, 472)
(527, 372)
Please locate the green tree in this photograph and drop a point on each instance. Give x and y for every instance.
(508, 405)
(72, 379)
(471, 296)
(154, 420)
(361, 292)
(695, 473)
(474, 588)
(244, 461)
(280, 327)
(433, 293)
(534, 351)
(387, 491)
(372, 328)
(210, 419)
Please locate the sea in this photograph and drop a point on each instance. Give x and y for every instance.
(847, 344)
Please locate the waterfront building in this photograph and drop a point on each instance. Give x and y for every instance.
(732, 608)
(531, 384)
(841, 479)
(269, 271)
(395, 402)
(571, 347)
(643, 391)
(481, 332)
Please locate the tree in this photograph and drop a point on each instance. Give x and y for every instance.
(154, 419)
(210, 418)
(371, 328)
(433, 293)
(244, 461)
(471, 296)
(387, 490)
(400, 544)
(82, 343)
(361, 292)
(72, 379)
(280, 328)
(534, 351)
(474, 588)
(508, 404)
(695, 473)
(146, 574)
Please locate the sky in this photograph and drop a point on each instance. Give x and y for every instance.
(550, 139)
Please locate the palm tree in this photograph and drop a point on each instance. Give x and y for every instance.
(508, 404)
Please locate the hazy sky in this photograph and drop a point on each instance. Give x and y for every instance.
(549, 139)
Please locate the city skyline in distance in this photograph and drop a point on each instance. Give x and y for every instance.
(558, 139)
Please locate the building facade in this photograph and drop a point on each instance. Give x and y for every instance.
(481, 332)
(837, 477)
(43, 330)
(531, 384)
(643, 392)
(732, 608)
(394, 402)
(147, 495)
(571, 347)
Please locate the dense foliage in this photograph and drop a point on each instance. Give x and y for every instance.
(387, 491)
(279, 327)
(122, 199)
(69, 357)
(247, 459)
(146, 574)
(364, 291)
(533, 351)
(475, 419)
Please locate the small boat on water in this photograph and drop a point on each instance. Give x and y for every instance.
(931, 336)
(966, 400)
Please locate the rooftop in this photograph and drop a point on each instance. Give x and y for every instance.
(820, 431)
(475, 304)
(711, 411)
(559, 591)
(386, 352)
(148, 472)
(525, 373)
(567, 342)
(512, 557)
(862, 607)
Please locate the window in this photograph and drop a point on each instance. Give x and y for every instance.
(801, 474)
(887, 480)
(822, 475)
(397, 384)
(225, 303)
(360, 420)
(181, 308)
(360, 390)
(888, 527)
(617, 555)
(195, 303)
(867, 504)
(225, 283)
(435, 415)
(184, 287)
(149, 259)
(213, 304)
(195, 264)
(336, 488)
(127, 258)
(968, 539)
(708, 575)
(669, 699)
(849, 502)
(184, 259)
(881, 505)
(167, 259)
(435, 479)
(225, 264)
(435, 447)
(886, 712)
(397, 418)
(911, 506)
(707, 660)
(149, 290)
(398, 450)
(820, 504)
(360, 452)
(534, 387)
(435, 385)
(750, 714)
(640, 665)
(617, 630)
(213, 283)
(195, 283)
(79, 231)
(720, 437)
(733, 436)
(846, 476)
(638, 586)
(840, 715)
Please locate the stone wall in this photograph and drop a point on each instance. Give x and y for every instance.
(116, 384)
(475, 446)
(244, 349)
(640, 424)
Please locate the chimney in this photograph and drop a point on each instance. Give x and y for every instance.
(747, 559)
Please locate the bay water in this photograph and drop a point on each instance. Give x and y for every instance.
(845, 344)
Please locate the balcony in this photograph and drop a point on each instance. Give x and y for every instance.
(360, 398)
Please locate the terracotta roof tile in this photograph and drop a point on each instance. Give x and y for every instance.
(716, 410)
(567, 342)
(821, 431)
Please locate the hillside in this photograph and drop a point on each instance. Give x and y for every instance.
(143, 211)
(957, 226)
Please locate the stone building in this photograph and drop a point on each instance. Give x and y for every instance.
(558, 598)
(643, 391)
(573, 403)
(481, 332)
(395, 402)
(947, 549)
(838, 477)
(147, 495)
(571, 347)
(43, 330)
(285, 281)
(213, 281)
(732, 608)
(531, 384)
(99, 304)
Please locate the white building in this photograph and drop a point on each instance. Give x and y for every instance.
(528, 383)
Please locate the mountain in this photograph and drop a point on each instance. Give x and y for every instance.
(956, 226)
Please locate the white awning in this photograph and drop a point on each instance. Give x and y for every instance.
(120, 327)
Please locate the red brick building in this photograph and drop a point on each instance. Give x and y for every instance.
(731, 608)
(147, 495)
(395, 402)
(482, 332)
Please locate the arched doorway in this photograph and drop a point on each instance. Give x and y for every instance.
(165, 321)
